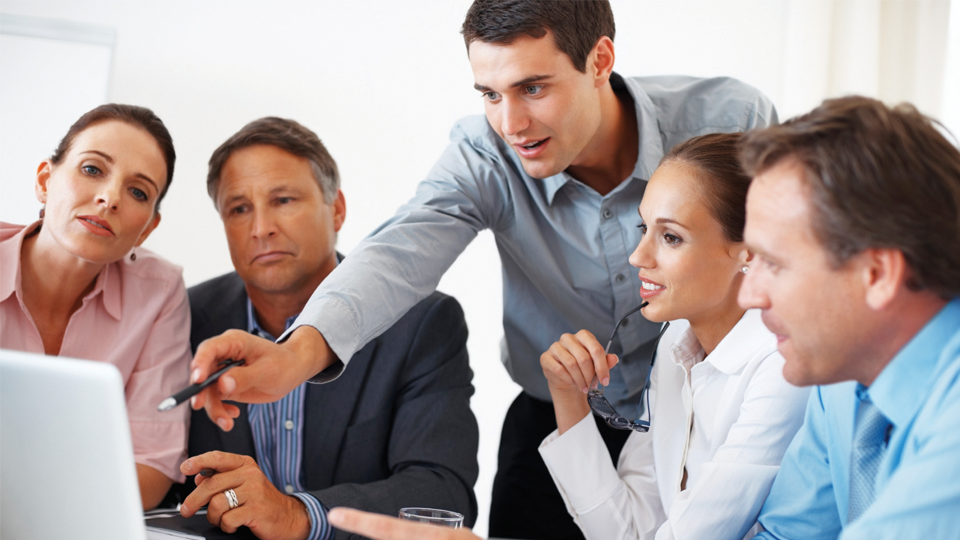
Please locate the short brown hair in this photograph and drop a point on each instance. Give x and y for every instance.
(576, 25)
(288, 135)
(724, 185)
(140, 117)
(878, 177)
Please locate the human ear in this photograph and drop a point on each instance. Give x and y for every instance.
(738, 251)
(148, 229)
(882, 274)
(601, 60)
(339, 211)
(40, 185)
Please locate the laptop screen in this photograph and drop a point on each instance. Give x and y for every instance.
(67, 460)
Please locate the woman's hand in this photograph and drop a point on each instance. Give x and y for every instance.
(570, 365)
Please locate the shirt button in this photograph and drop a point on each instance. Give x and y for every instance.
(607, 214)
(288, 488)
(288, 424)
(625, 323)
(621, 278)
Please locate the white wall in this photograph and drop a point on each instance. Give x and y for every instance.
(381, 82)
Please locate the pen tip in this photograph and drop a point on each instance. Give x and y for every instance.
(167, 404)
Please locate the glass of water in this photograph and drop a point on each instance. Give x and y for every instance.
(443, 518)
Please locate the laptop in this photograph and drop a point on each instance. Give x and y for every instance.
(66, 460)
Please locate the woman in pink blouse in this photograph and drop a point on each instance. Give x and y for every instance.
(75, 283)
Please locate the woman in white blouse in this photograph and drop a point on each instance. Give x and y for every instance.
(720, 413)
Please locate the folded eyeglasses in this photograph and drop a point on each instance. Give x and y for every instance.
(599, 404)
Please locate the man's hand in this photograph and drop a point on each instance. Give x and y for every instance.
(271, 515)
(270, 370)
(380, 527)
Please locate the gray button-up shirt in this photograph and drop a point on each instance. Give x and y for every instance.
(563, 247)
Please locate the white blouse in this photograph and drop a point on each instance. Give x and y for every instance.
(726, 418)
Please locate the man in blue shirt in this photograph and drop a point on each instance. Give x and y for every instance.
(555, 169)
(852, 218)
(396, 430)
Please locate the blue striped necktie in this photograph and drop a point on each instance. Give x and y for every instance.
(869, 445)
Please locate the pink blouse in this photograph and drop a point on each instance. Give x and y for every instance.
(137, 318)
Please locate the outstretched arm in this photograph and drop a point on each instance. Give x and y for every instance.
(398, 265)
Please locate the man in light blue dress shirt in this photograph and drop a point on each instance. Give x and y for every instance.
(556, 169)
(853, 220)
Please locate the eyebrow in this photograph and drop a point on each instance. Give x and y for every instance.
(760, 252)
(668, 220)
(273, 191)
(99, 153)
(663, 220)
(109, 160)
(522, 82)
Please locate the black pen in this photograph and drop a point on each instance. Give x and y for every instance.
(195, 389)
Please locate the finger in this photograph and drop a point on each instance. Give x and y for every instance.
(206, 492)
(380, 527)
(593, 347)
(556, 373)
(582, 363)
(612, 360)
(232, 344)
(231, 520)
(218, 461)
(217, 507)
(210, 494)
(566, 366)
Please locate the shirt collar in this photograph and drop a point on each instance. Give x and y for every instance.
(748, 339)
(10, 282)
(651, 147)
(904, 384)
(254, 327)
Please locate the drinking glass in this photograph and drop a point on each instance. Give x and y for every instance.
(433, 516)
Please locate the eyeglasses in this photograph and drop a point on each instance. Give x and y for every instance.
(601, 407)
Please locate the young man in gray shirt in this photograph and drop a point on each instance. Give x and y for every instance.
(556, 169)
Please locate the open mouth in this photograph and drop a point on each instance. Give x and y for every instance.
(533, 145)
(651, 286)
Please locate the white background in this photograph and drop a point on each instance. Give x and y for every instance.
(382, 81)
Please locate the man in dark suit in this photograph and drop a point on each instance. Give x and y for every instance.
(394, 430)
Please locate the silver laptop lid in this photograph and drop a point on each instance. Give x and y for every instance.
(67, 466)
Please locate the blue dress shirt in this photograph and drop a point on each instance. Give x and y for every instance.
(918, 482)
(278, 437)
(563, 247)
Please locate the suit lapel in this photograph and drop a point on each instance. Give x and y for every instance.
(232, 314)
(328, 412)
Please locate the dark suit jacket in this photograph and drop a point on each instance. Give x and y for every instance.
(394, 430)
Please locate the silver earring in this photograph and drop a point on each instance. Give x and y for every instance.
(744, 268)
